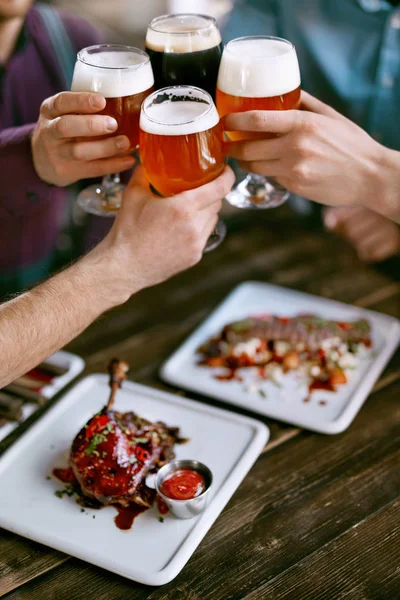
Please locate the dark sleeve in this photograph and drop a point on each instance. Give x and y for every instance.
(251, 17)
(80, 32)
(21, 190)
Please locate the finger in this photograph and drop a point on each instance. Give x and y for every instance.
(72, 102)
(212, 192)
(269, 121)
(86, 151)
(73, 126)
(314, 105)
(268, 149)
(334, 217)
(98, 168)
(375, 249)
(268, 168)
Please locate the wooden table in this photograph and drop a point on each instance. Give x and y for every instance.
(317, 517)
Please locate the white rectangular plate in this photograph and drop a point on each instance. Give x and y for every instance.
(151, 552)
(74, 365)
(286, 403)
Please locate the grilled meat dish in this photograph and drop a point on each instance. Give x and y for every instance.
(113, 453)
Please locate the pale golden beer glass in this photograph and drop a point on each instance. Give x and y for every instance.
(181, 143)
(257, 73)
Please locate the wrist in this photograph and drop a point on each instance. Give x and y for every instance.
(383, 192)
(106, 265)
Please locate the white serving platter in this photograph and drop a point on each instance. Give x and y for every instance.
(151, 552)
(285, 403)
(74, 365)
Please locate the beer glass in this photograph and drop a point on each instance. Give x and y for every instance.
(257, 73)
(181, 143)
(184, 49)
(123, 75)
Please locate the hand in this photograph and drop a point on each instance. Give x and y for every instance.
(374, 237)
(316, 153)
(154, 238)
(62, 150)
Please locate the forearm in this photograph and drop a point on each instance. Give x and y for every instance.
(39, 322)
(385, 198)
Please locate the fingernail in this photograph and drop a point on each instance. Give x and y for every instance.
(110, 124)
(122, 143)
(96, 101)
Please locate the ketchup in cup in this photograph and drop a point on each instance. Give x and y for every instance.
(183, 484)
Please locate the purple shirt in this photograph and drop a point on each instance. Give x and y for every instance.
(31, 211)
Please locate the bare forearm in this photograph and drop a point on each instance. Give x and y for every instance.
(39, 322)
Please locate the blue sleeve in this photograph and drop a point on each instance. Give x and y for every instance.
(252, 17)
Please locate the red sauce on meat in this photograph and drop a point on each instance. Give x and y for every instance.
(184, 484)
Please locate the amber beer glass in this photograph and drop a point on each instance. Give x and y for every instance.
(257, 73)
(181, 142)
(184, 49)
(123, 75)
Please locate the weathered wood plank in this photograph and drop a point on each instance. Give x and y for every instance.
(362, 564)
(22, 560)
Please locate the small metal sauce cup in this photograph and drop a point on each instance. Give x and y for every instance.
(185, 509)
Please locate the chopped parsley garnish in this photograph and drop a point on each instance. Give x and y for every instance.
(65, 492)
(82, 510)
(161, 519)
(109, 427)
(97, 439)
(139, 440)
(262, 393)
(48, 477)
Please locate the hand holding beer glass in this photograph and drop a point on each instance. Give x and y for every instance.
(123, 75)
(257, 73)
(181, 143)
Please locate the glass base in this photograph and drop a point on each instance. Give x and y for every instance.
(257, 192)
(100, 201)
(216, 238)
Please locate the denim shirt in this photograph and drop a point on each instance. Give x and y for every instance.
(348, 50)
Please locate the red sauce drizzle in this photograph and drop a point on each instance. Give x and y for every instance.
(64, 475)
(184, 484)
(162, 507)
(126, 515)
(318, 384)
(40, 375)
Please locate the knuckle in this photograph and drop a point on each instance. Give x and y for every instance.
(309, 125)
(61, 126)
(301, 172)
(57, 102)
(258, 119)
(77, 152)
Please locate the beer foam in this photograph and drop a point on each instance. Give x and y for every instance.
(112, 74)
(258, 68)
(178, 117)
(178, 34)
